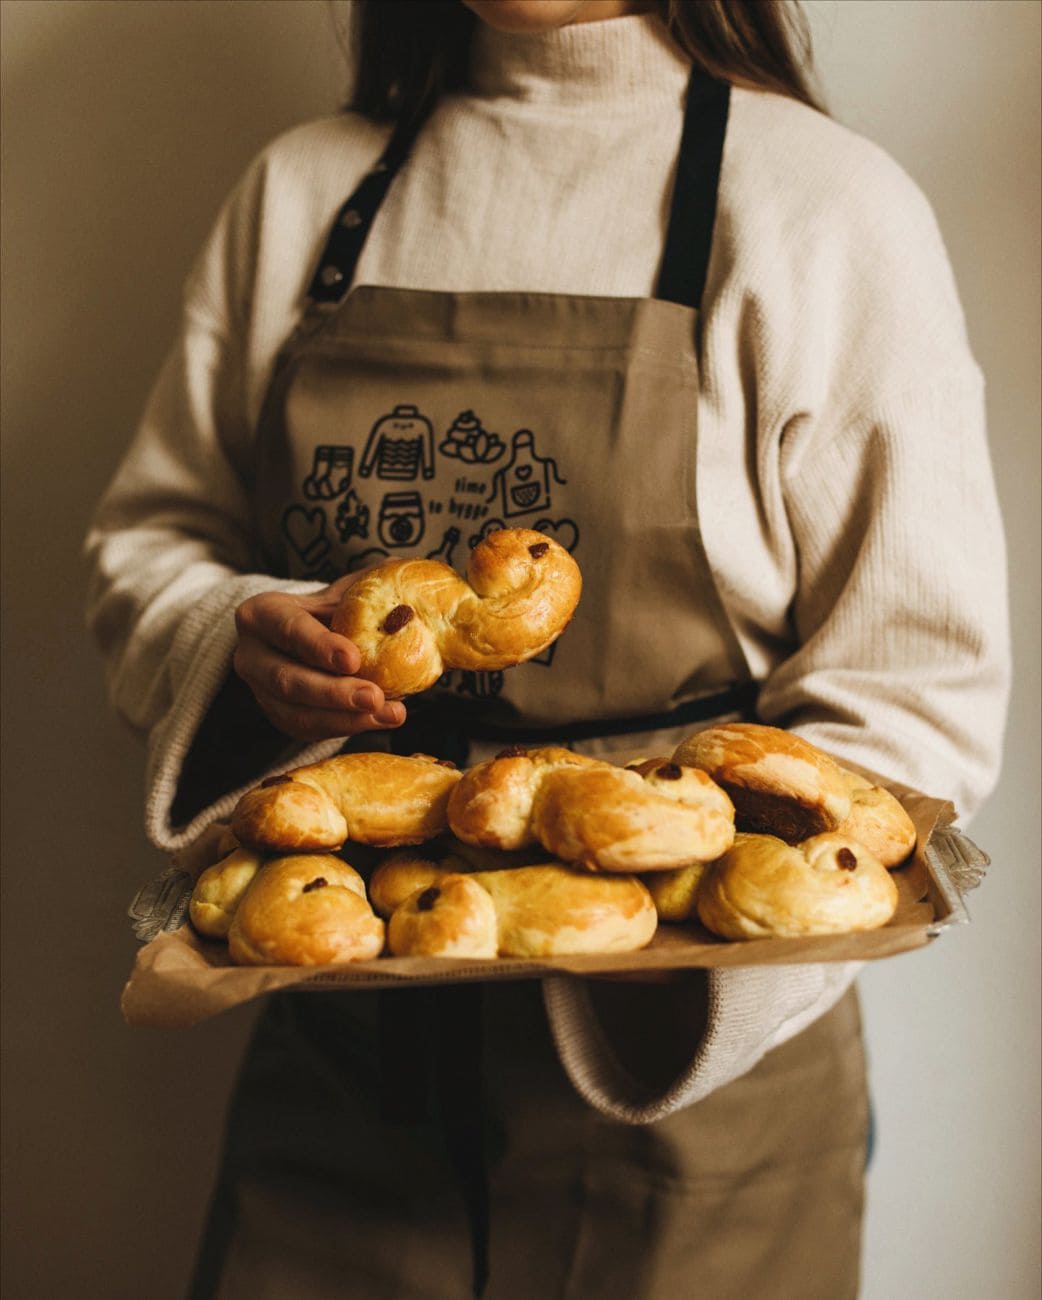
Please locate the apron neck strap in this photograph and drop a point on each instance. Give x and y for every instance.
(336, 267)
(685, 257)
(689, 236)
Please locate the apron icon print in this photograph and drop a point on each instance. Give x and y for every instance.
(469, 442)
(523, 484)
(306, 532)
(330, 473)
(400, 446)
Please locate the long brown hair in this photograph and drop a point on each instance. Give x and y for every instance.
(411, 52)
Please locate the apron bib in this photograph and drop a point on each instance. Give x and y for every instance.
(426, 1143)
(401, 423)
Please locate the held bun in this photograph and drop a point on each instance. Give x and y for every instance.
(305, 910)
(878, 821)
(585, 810)
(412, 620)
(780, 783)
(763, 887)
(380, 799)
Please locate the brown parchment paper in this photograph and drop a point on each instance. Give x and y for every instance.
(180, 979)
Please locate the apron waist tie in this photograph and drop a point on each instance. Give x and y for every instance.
(443, 721)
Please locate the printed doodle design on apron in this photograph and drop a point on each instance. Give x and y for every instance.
(400, 446)
(330, 473)
(467, 441)
(523, 484)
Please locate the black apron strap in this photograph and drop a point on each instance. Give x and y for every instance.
(336, 266)
(689, 236)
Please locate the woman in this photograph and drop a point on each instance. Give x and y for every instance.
(604, 270)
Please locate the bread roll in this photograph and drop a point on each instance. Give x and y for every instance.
(305, 910)
(540, 911)
(675, 893)
(585, 810)
(412, 620)
(453, 917)
(219, 890)
(877, 820)
(379, 799)
(762, 887)
(780, 784)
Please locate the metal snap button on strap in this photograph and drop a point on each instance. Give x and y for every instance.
(330, 275)
(352, 218)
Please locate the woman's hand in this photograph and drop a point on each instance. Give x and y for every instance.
(301, 673)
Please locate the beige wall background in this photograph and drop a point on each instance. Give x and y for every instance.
(124, 124)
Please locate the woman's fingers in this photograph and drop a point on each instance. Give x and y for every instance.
(288, 624)
(276, 675)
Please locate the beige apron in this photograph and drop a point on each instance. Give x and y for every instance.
(386, 1145)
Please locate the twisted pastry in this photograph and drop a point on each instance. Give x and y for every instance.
(412, 620)
(304, 910)
(587, 811)
(828, 884)
(537, 911)
(453, 917)
(219, 890)
(780, 783)
(877, 820)
(381, 799)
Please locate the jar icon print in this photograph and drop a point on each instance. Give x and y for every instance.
(401, 521)
(523, 484)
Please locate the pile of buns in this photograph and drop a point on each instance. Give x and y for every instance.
(545, 852)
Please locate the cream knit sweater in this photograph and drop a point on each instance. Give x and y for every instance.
(845, 493)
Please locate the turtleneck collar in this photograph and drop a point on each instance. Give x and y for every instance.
(614, 65)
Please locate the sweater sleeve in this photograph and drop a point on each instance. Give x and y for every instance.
(171, 550)
(876, 491)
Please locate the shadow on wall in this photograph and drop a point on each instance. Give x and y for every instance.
(124, 127)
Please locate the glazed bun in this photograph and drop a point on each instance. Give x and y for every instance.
(304, 910)
(379, 799)
(554, 911)
(780, 784)
(587, 811)
(675, 892)
(404, 874)
(412, 620)
(453, 917)
(540, 911)
(763, 887)
(877, 820)
(219, 890)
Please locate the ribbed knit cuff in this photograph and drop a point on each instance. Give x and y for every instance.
(199, 661)
(752, 1009)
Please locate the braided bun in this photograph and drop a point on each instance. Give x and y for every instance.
(780, 784)
(219, 890)
(381, 799)
(588, 811)
(412, 620)
(453, 918)
(827, 885)
(877, 820)
(305, 910)
(544, 910)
